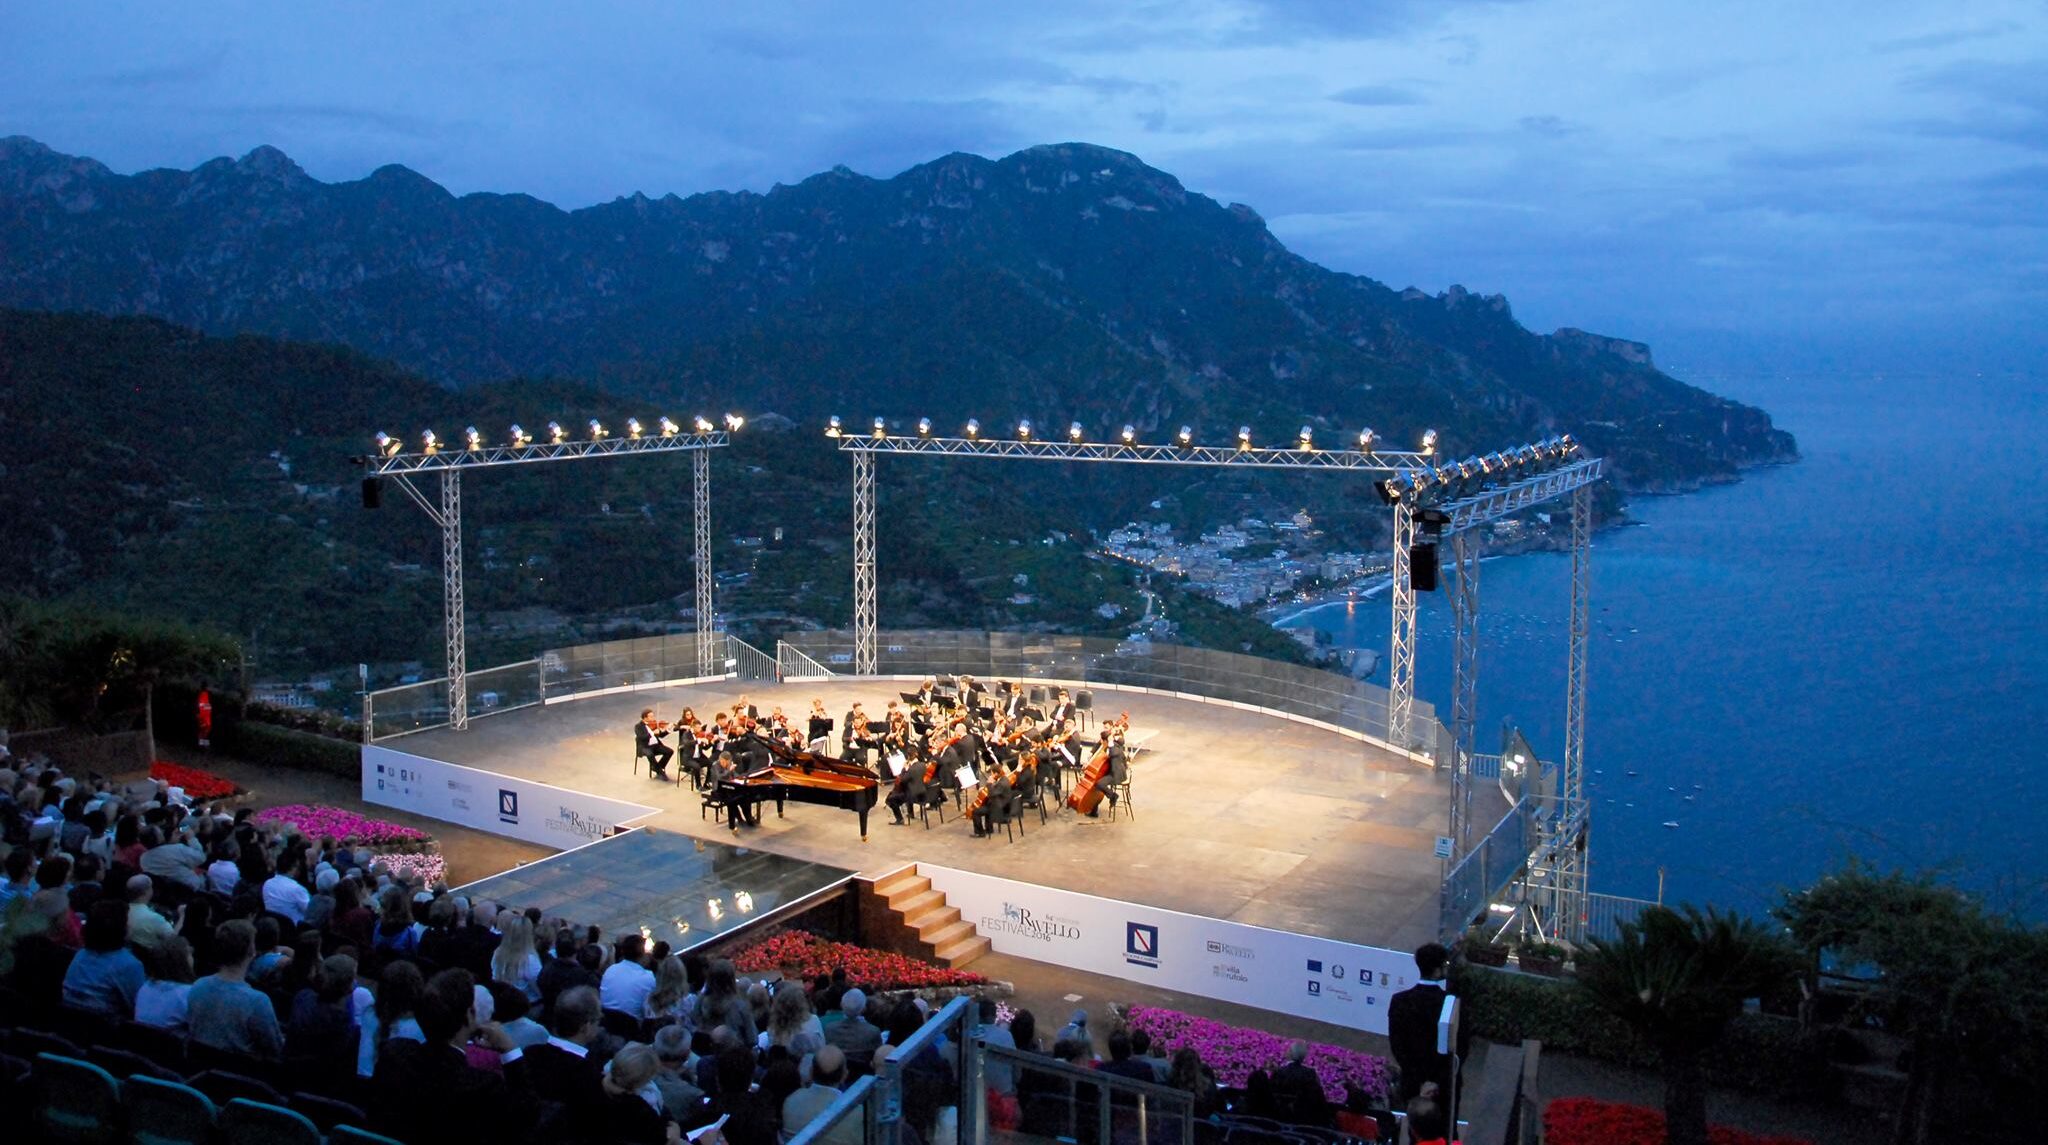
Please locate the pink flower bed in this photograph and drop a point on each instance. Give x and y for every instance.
(344, 826)
(1235, 1051)
(425, 868)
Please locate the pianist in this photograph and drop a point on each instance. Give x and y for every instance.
(740, 807)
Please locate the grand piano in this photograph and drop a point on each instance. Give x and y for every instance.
(802, 776)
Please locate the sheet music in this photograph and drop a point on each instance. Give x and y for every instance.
(896, 762)
(965, 777)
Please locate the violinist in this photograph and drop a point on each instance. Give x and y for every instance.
(855, 739)
(993, 798)
(1062, 708)
(911, 789)
(820, 726)
(647, 745)
(927, 693)
(1013, 703)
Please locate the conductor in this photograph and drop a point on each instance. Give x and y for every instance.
(647, 745)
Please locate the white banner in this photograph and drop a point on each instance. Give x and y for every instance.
(1320, 978)
(487, 801)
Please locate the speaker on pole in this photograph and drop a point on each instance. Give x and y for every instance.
(1422, 567)
(373, 492)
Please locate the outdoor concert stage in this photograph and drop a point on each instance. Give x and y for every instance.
(1239, 815)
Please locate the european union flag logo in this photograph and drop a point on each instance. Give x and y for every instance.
(1315, 966)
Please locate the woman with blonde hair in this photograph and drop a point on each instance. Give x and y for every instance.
(671, 998)
(790, 1023)
(515, 962)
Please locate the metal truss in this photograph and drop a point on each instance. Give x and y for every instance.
(1573, 852)
(450, 461)
(1401, 664)
(864, 658)
(1465, 684)
(1054, 449)
(1493, 504)
(707, 636)
(457, 457)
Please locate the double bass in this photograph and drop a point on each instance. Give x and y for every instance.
(1087, 793)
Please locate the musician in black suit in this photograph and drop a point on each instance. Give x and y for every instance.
(647, 745)
(1062, 709)
(1119, 772)
(854, 738)
(1411, 1026)
(820, 725)
(926, 692)
(739, 808)
(1013, 704)
(999, 789)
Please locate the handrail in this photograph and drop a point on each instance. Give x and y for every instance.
(1178, 1102)
(889, 1119)
(750, 662)
(794, 665)
(856, 1095)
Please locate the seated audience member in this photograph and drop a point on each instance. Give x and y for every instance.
(749, 1118)
(105, 977)
(561, 1070)
(393, 1016)
(1298, 1091)
(322, 1029)
(791, 1024)
(1427, 1122)
(173, 858)
(515, 961)
(283, 893)
(146, 928)
(223, 876)
(396, 935)
(681, 1100)
(36, 955)
(563, 971)
(671, 999)
(1143, 1049)
(20, 884)
(855, 1036)
(514, 1015)
(165, 995)
(1121, 1063)
(1189, 1074)
(1000, 1074)
(799, 1109)
(626, 985)
(426, 1090)
(632, 1103)
(224, 1011)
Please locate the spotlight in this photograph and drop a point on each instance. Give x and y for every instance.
(1187, 437)
(733, 422)
(472, 439)
(1244, 437)
(1365, 441)
(833, 428)
(668, 427)
(519, 437)
(1307, 435)
(1388, 489)
(633, 428)
(556, 434)
(973, 429)
(924, 427)
(388, 446)
(428, 441)
(703, 424)
(1024, 430)
(1428, 443)
(1130, 434)
(1566, 446)
(597, 430)
(881, 429)
(1074, 431)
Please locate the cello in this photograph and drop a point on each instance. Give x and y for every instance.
(1087, 793)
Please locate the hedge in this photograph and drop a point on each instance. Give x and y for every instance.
(1760, 1053)
(283, 747)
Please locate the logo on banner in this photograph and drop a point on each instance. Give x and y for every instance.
(1336, 971)
(1315, 966)
(1232, 950)
(1021, 921)
(1315, 988)
(508, 805)
(1141, 944)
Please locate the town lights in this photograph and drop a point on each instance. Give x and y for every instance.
(556, 434)
(973, 429)
(633, 429)
(1307, 436)
(1130, 434)
(388, 446)
(833, 427)
(1365, 441)
(733, 422)
(471, 439)
(924, 427)
(1428, 443)
(1024, 430)
(1074, 431)
(1186, 437)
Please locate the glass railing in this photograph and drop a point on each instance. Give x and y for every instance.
(1036, 1097)
(850, 1120)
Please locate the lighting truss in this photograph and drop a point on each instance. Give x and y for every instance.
(458, 457)
(1388, 463)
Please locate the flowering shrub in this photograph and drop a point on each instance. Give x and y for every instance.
(201, 785)
(425, 868)
(1584, 1121)
(1235, 1051)
(810, 956)
(345, 826)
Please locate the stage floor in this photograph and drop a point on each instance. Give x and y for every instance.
(1240, 816)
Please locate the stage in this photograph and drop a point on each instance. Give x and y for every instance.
(1239, 815)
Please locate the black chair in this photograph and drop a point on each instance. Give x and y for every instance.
(27, 1043)
(326, 1112)
(1123, 801)
(1084, 707)
(620, 1024)
(223, 1086)
(158, 1044)
(128, 1063)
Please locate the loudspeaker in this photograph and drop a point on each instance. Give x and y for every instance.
(1422, 568)
(373, 492)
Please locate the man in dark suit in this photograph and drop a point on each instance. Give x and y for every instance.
(426, 1091)
(647, 745)
(561, 1071)
(1298, 1091)
(1411, 1025)
(1062, 709)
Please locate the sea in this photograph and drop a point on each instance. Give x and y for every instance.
(1846, 657)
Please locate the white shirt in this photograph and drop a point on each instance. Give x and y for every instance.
(566, 1046)
(223, 877)
(161, 1003)
(283, 894)
(625, 987)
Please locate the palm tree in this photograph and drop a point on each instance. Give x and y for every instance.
(1678, 979)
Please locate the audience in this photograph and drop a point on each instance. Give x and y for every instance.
(105, 977)
(224, 1012)
(165, 996)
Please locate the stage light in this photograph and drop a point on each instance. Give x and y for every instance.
(556, 434)
(1567, 446)
(833, 428)
(1130, 434)
(881, 428)
(733, 422)
(716, 908)
(520, 437)
(973, 429)
(429, 442)
(1428, 443)
(703, 424)
(1074, 431)
(668, 427)
(472, 439)
(388, 446)
(633, 428)
(1307, 436)
(1390, 493)
(597, 430)
(1244, 437)
(1187, 437)
(1024, 430)
(924, 427)
(1365, 441)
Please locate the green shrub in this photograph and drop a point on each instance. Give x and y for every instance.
(305, 751)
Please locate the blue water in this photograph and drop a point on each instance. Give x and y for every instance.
(1844, 656)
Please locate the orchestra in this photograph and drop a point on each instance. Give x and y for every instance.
(989, 751)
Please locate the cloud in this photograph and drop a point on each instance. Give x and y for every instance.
(1377, 95)
(1950, 38)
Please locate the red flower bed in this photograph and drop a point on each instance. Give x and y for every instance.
(197, 784)
(1584, 1121)
(807, 955)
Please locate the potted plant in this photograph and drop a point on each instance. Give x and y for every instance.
(1481, 950)
(1539, 957)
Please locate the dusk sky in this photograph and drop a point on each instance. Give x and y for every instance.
(1717, 179)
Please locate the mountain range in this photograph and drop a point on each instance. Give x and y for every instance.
(1061, 282)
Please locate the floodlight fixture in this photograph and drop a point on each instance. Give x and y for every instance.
(1365, 440)
(1567, 446)
(633, 428)
(1074, 431)
(881, 428)
(1187, 437)
(429, 442)
(556, 434)
(1130, 434)
(1388, 489)
(703, 424)
(733, 422)
(1307, 438)
(471, 439)
(1428, 443)
(518, 438)
(833, 428)
(1244, 437)
(973, 429)
(668, 426)
(597, 430)
(1024, 430)
(388, 446)
(924, 427)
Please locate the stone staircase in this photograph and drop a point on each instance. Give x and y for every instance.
(924, 925)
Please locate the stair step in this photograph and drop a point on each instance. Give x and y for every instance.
(951, 932)
(932, 920)
(917, 903)
(898, 882)
(960, 952)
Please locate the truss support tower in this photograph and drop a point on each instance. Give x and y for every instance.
(1464, 685)
(864, 659)
(1573, 819)
(707, 639)
(1401, 661)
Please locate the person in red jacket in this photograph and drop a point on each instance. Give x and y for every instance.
(205, 717)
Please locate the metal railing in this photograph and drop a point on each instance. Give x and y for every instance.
(1489, 867)
(1606, 913)
(794, 665)
(747, 662)
(860, 1104)
(901, 1100)
(643, 661)
(1269, 686)
(1059, 1101)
